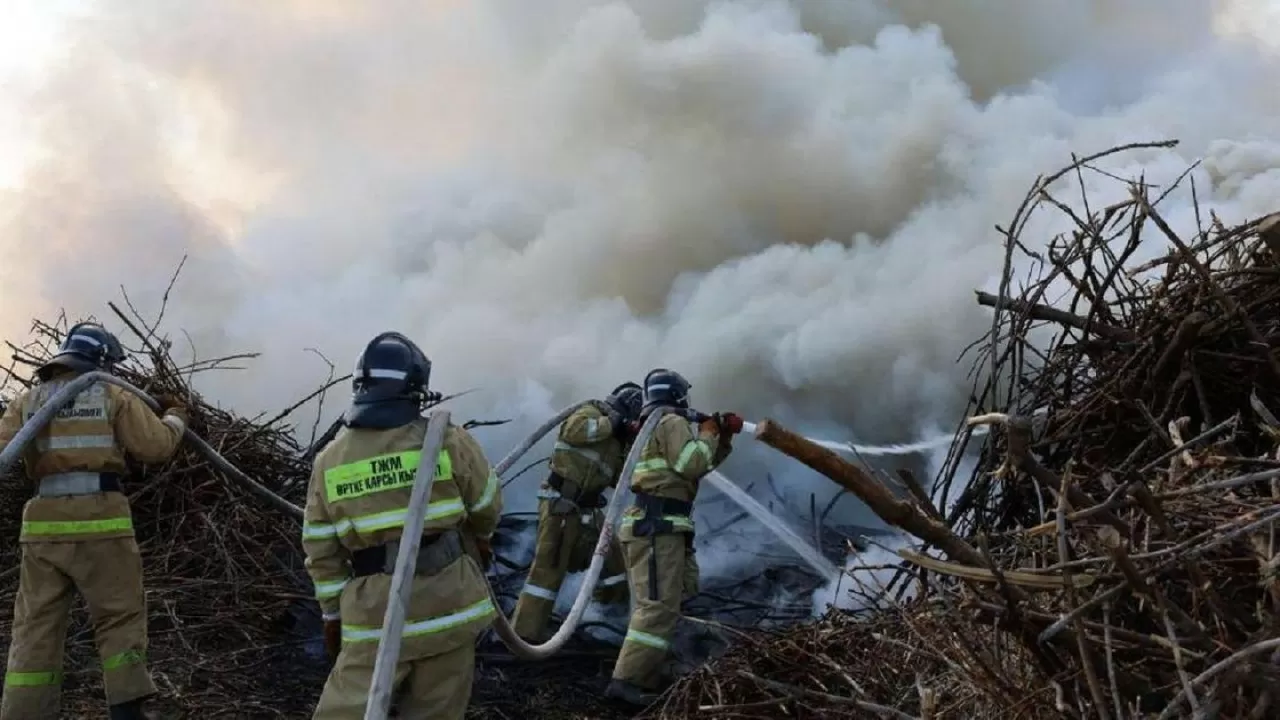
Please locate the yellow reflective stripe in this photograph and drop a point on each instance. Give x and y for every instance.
(652, 465)
(76, 527)
(121, 659)
(390, 471)
(326, 590)
(490, 492)
(680, 521)
(686, 454)
(370, 633)
(586, 453)
(317, 531)
(380, 521)
(32, 679)
(644, 638)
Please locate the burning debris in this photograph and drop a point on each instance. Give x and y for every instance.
(1114, 554)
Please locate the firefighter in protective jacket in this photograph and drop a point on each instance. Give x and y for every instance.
(657, 532)
(588, 456)
(77, 532)
(356, 505)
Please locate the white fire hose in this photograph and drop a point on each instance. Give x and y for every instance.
(502, 625)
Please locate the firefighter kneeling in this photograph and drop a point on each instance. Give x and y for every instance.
(356, 507)
(588, 456)
(657, 530)
(77, 533)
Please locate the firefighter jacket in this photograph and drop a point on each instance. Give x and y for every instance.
(586, 451)
(358, 499)
(672, 462)
(90, 435)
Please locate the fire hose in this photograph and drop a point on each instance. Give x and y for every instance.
(502, 625)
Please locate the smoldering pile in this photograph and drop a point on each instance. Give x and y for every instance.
(1114, 553)
(227, 597)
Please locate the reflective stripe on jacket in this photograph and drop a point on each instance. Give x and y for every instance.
(358, 498)
(586, 451)
(92, 434)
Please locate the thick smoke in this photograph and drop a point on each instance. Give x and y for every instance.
(790, 202)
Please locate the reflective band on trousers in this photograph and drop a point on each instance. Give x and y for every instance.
(614, 580)
(76, 527)
(32, 679)
(644, 638)
(539, 592)
(418, 628)
(121, 659)
(588, 454)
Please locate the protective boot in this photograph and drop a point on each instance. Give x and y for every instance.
(131, 710)
(631, 694)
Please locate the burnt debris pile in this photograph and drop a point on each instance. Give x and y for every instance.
(1114, 553)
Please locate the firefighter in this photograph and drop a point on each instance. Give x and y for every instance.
(657, 530)
(356, 504)
(77, 532)
(593, 443)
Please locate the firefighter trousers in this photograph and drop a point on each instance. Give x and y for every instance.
(108, 573)
(431, 688)
(564, 544)
(668, 561)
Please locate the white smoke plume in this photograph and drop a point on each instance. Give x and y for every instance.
(789, 202)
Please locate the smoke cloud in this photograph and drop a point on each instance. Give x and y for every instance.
(789, 202)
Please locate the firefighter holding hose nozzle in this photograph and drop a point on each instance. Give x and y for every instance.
(657, 530)
(589, 453)
(77, 532)
(357, 503)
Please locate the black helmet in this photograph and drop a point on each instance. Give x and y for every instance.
(666, 387)
(87, 346)
(627, 399)
(389, 385)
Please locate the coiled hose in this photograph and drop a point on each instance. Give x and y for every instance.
(502, 626)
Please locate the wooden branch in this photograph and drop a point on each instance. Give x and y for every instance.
(899, 513)
(1044, 312)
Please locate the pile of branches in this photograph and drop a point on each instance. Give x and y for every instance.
(1114, 552)
(227, 597)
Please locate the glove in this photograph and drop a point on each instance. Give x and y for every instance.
(181, 414)
(615, 418)
(709, 426)
(332, 638)
(729, 423)
(486, 552)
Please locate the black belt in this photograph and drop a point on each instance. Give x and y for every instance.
(436, 552)
(655, 505)
(595, 499)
